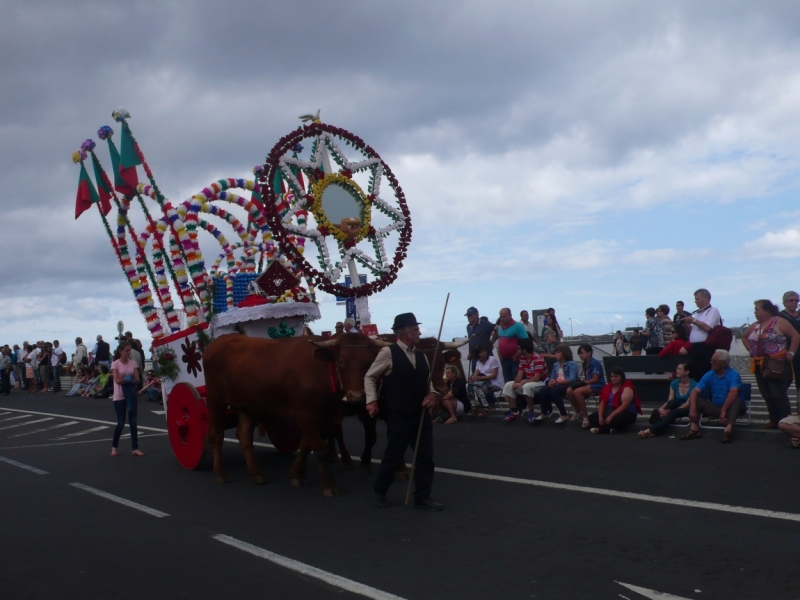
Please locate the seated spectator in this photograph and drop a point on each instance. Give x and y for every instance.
(677, 404)
(530, 378)
(722, 383)
(338, 328)
(454, 400)
(564, 374)
(81, 382)
(637, 343)
(547, 348)
(485, 380)
(91, 386)
(590, 381)
(791, 427)
(618, 406)
(680, 342)
(152, 387)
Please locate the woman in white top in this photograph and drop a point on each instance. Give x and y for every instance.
(32, 361)
(484, 381)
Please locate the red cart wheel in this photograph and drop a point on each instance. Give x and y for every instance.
(187, 424)
(284, 435)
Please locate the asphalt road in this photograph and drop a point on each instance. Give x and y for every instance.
(541, 512)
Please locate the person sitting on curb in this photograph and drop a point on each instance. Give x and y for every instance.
(723, 383)
(530, 377)
(562, 376)
(592, 381)
(620, 400)
(676, 406)
(455, 400)
(791, 426)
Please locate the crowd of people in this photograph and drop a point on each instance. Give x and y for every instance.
(704, 384)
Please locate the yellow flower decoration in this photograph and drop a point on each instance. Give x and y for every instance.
(319, 213)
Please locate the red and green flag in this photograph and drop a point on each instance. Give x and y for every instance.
(87, 194)
(103, 186)
(125, 180)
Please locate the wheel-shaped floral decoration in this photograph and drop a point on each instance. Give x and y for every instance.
(315, 170)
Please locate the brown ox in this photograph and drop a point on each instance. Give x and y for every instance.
(448, 355)
(288, 379)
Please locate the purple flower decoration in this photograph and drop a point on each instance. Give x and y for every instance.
(88, 145)
(258, 169)
(105, 132)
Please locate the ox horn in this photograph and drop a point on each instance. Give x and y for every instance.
(325, 344)
(379, 343)
(452, 345)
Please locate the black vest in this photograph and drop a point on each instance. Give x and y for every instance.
(405, 387)
(102, 350)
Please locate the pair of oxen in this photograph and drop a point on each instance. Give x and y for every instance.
(306, 381)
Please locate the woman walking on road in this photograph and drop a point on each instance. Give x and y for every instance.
(126, 379)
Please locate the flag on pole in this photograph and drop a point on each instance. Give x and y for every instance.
(87, 194)
(121, 183)
(103, 186)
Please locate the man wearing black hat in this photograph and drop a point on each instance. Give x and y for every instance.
(407, 392)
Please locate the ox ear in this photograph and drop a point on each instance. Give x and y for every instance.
(325, 354)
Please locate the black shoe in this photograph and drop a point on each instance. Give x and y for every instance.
(429, 505)
(380, 501)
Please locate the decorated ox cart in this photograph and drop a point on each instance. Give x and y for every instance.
(319, 183)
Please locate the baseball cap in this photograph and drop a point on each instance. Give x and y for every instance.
(471, 311)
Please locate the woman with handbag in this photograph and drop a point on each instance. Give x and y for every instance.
(772, 343)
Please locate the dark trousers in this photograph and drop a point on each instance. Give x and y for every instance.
(401, 429)
(774, 392)
(509, 367)
(548, 395)
(651, 351)
(659, 423)
(701, 359)
(128, 405)
(796, 369)
(5, 383)
(620, 421)
(56, 378)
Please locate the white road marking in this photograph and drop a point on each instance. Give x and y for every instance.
(158, 412)
(72, 443)
(26, 423)
(262, 444)
(129, 503)
(33, 412)
(15, 418)
(5, 413)
(335, 580)
(72, 435)
(16, 435)
(652, 594)
(23, 466)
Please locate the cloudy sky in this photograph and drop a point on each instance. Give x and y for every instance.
(597, 157)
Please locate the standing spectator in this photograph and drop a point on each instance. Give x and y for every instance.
(653, 332)
(126, 379)
(31, 367)
(620, 400)
(479, 332)
(563, 374)
(791, 314)
(723, 384)
(772, 343)
(637, 343)
(662, 314)
(680, 342)
(45, 365)
(547, 348)
(553, 324)
(81, 356)
(137, 355)
(591, 380)
(702, 321)
(16, 360)
(101, 352)
(619, 344)
(58, 357)
(530, 378)
(508, 331)
(5, 371)
(524, 318)
(680, 313)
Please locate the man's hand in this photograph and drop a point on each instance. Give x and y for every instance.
(663, 412)
(430, 400)
(372, 409)
(723, 419)
(516, 385)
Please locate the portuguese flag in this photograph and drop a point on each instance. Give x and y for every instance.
(87, 195)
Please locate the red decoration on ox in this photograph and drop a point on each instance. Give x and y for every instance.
(276, 280)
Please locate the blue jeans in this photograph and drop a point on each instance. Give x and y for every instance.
(659, 423)
(56, 378)
(129, 405)
(510, 368)
(548, 395)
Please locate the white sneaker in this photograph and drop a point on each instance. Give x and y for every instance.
(561, 420)
(539, 417)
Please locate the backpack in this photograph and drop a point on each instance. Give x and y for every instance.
(62, 358)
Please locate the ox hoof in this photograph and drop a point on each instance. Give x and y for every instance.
(298, 483)
(366, 469)
(223, 479)
(331, 492)
(259, 480)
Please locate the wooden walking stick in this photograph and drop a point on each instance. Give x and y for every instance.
(422, 416)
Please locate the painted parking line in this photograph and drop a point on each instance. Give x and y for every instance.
(68, 424)
(303, 569)
(119, 500)
(79, 433)
(15, 418)
(23, 466)
(26, 423)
